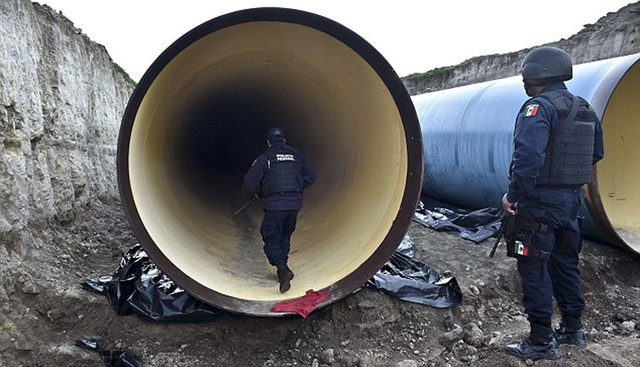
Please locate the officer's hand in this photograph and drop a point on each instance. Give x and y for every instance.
(509, 207)
(256, 196)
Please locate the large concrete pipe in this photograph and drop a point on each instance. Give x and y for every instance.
(199, 117)
(468, 131)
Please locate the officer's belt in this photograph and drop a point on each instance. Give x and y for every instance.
(284, 192)
(559, 187)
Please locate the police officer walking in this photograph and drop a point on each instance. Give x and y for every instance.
(557, 139)
(279, 175)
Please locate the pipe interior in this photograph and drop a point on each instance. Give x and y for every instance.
(204, 119)
(618, 173)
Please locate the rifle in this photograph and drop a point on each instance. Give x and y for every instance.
(501, 231)
(243, 207)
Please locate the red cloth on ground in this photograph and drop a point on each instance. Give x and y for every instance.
(302, 306)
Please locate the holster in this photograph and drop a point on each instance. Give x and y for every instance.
(519, 235)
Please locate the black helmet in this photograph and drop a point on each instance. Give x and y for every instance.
(547, 62)
(275, 134)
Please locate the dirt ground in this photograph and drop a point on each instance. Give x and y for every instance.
(44, 310)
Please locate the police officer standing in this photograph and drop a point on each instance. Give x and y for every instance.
(279, 175)
(557, 139)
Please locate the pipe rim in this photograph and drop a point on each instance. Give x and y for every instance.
(406, 110)
(593, 199)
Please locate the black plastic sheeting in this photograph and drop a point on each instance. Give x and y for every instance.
(111, 358)
(139, 286)
(474, 225)
(410, 280)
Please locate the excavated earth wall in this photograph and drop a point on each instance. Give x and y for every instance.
(61, 101)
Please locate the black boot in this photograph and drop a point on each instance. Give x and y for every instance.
(570, 331)
(539, 345)
(284, 276)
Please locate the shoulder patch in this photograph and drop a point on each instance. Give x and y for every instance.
(531, 110)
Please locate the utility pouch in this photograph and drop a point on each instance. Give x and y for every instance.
(519, 234)
(513, 237)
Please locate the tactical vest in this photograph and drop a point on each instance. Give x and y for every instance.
(569, 153)
(284, 171)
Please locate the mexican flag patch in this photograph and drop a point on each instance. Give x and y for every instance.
(520, 249)
(531, 110)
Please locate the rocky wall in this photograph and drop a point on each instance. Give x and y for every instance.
(61, 102)
(615, 34)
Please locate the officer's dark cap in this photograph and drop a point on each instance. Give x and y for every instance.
(275, 134)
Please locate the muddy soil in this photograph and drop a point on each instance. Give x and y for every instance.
(44, 310)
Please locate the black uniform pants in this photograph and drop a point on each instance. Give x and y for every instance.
(276, 230)
(558, 277)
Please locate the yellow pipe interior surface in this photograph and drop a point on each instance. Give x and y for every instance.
(618, 173)
(202, 121)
